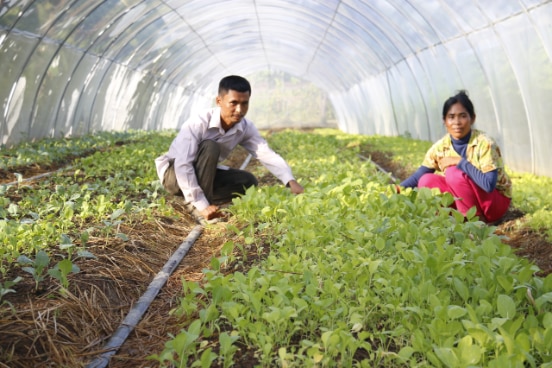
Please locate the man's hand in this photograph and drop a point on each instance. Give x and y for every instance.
(295, 187)
(211, 212)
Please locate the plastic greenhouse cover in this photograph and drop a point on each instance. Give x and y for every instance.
(83, 65)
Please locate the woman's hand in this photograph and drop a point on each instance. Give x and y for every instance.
(445, 162)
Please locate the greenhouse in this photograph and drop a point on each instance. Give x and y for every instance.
(328, 257)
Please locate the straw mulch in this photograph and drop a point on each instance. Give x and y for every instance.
(52, 327)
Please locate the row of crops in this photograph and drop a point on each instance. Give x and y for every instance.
(45, 226)
(531, 193)
(360, 276)
(352, 273)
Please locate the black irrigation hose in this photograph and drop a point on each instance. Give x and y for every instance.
(394, 179)
(135, 315)
(242, 167)
(37, 176)
(138, 310)
(246, 162)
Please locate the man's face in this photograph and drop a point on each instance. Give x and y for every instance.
(233, 107)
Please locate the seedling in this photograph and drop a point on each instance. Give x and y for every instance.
(37, 267)
(6, 287)
(61, 270)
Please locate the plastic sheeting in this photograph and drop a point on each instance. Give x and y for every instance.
(71, 67)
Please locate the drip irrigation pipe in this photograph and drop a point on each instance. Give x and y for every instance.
(135, 315)
(242, 167)
(138, 310)
(246, 162)
(37, 176)
(394, 179)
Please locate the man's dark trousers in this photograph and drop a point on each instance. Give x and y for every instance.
(218, 185)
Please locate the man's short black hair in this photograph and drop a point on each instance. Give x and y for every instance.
(235, 83)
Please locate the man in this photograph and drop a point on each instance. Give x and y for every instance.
(191, 166)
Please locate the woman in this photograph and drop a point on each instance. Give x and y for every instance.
(470, 163)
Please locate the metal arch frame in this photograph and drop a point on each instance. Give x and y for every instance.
(315, 45)
(321, 41)
(10, 29)
(99, 65)
(206, 45)
(375, 37)
(179, 70)
(76, 67)
(166, 80)
(171, 74)
(54, 55)
(393, 104)
(25, 64)
(99, 58)
(4, 127)
(324, 37)
(464, 36)
(165, 83)
(167, 47)
(113, 61)
(143, 42)
(414, 54)
(529, 125)
(523, 99)
(477, 57)
(261, 33)
(57, 52)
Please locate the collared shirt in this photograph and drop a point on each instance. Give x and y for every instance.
(482, 152)
(207, 125)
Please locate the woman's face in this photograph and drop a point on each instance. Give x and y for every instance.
(458, 121)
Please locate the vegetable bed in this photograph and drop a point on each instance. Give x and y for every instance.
(347, 274)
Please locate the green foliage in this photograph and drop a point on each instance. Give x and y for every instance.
(361, 276)
(357, 275)
(62, 269)
(408, 153)
(36, 267)
(532, 195)
(6, 288)
(48, 151)
(530, 192)
(105, 190)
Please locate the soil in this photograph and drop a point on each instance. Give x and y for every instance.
(48, 326)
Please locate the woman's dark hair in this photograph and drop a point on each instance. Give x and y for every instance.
(235, 83)
(462, 98)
